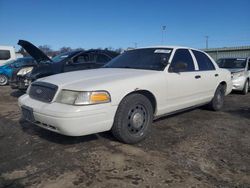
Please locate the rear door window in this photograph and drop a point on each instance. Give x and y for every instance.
(4, 54)
(83, 58)
(204, 63)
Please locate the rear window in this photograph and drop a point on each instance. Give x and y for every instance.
(4, 54)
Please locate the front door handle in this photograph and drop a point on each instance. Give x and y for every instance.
(197, 77)
(216, 75)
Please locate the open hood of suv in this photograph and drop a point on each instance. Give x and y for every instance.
(35, 52)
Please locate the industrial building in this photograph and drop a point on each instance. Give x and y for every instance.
(217, 53)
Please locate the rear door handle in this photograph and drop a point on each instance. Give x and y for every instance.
(197, 77)
(216, 75)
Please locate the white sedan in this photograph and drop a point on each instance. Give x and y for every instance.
(127, 94)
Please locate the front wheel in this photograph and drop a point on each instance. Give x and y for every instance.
(246, 88)
(133, 119)
(218, 100)
(3, 80)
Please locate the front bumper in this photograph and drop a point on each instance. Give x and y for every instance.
(68, 119)
(239, 83)
(19, 82)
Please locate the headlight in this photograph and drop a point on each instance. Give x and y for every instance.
(83, 97)
(238, 74)
(25, 71)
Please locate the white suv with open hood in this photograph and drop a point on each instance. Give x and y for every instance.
(126, 94)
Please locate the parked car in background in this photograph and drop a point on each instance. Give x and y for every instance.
(7, 69)
(8, 53)
(127, 93)
(240, 69)
(65, 62)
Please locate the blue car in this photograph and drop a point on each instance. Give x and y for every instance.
(9, 67)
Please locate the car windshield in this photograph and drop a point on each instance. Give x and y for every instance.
(61, 57)
(233, 63)
(149, 59)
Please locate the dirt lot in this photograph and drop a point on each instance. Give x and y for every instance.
(198, 148)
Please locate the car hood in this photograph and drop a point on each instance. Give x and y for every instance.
(95, 78)
(35, 52)
(4, 66)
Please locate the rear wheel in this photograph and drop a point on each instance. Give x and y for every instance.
(218, 100)
(246, 88)
(133, 119)
(3, 80)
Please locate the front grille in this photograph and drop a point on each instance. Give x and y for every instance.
(43, 91)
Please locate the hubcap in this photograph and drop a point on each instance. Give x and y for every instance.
(137, 118)
(2, 79)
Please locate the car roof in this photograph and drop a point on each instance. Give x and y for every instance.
(107, 52)
(162, 46)
(234, 58)
(173, 47)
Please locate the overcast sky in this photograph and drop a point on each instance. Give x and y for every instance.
(117, 23)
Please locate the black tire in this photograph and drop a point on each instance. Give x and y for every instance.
(133, 119)
(218, 100)
(3, 80)
(246, 88)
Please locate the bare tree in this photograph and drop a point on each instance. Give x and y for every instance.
(109, 48)
(119, 50)
(65, 49)
(78, 49)
(46, 49)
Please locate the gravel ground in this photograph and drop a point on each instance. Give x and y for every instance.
(198, 148)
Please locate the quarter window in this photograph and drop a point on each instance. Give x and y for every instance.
(4, 54)
(203, 61)
(183, 56)
(101, 58)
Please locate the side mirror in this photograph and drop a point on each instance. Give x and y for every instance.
(179, 67)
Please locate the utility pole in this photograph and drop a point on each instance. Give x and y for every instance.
(163, 34)
(207, 37)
